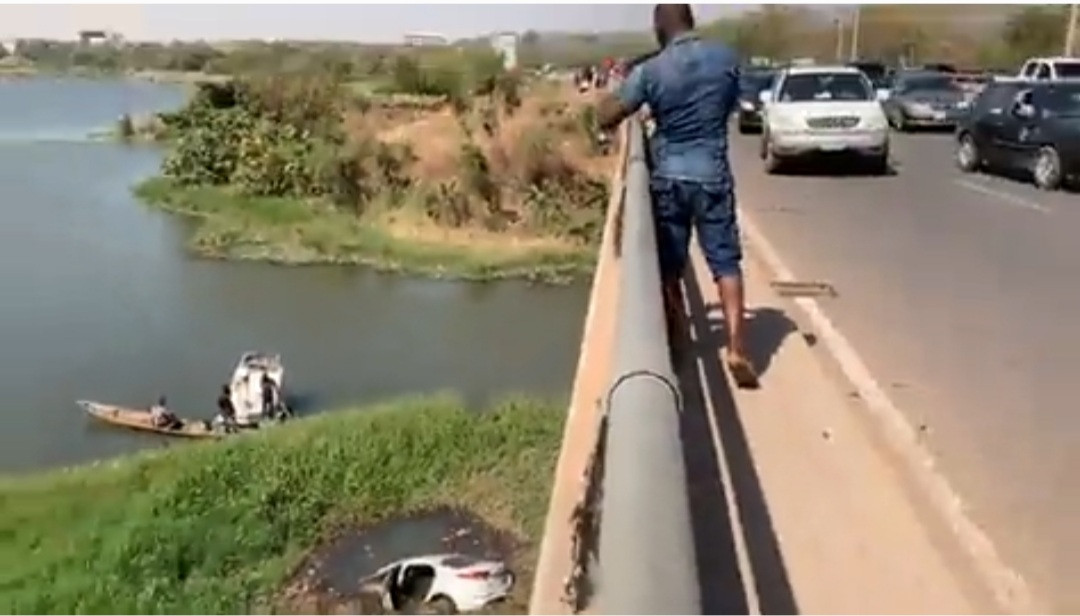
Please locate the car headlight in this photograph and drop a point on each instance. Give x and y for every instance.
(783, 122)
(877, 122)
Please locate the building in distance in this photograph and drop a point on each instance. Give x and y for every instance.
(426, 39)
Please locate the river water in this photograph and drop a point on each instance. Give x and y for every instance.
(99, 301)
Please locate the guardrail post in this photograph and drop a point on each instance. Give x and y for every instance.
(646, 562)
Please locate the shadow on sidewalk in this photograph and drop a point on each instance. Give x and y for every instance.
(701, 375)
(766, 329)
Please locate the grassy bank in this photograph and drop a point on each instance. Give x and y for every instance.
(291, 231)
(217, 528)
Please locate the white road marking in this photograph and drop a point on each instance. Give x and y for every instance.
(1007, 585)
(1003, 196)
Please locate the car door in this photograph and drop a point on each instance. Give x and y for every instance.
(990, 118)
(1014, 134)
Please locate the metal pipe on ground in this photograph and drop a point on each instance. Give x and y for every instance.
(646, 561)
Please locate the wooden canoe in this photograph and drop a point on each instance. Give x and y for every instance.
(137, 419)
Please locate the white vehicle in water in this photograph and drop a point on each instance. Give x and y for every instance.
(454, 582)
(245, 387)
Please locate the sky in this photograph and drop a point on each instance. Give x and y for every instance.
(360, 22)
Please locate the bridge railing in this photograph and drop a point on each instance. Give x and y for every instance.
(645, 562)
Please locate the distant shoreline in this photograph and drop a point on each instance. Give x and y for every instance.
(23, 71)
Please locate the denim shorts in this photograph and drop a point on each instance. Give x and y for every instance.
(678, 206)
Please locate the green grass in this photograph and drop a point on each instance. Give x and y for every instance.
(218, 527)
(294, 232)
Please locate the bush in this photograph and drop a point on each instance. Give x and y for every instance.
(277, 136)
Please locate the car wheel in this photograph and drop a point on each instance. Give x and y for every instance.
(1047, 171)
(968, 158)
(772, 161)
(879, 165)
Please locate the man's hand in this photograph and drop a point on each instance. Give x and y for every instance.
(610, 112)
(627, 98)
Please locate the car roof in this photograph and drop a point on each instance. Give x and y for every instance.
(1035, 82)
(1053, 59)
(818, 69)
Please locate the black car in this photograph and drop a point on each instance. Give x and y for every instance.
(877, 72)
(1032, 127)
(751, 83)
(939, 67)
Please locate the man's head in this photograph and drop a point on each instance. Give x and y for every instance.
(670, 20)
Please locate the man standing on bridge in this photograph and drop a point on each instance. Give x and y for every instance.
(691, 87)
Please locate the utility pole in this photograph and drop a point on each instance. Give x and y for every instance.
(839, 39)
(855, 33)
(1070, 32)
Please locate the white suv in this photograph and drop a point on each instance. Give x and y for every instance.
(819, 110)
(1050, 68)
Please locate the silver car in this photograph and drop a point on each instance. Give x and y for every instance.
(925, 99)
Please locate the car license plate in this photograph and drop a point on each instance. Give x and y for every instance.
(834, 146)
(939, 115)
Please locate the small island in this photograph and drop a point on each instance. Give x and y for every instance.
(452, 167)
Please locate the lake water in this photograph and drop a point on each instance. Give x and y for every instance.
(98, 299)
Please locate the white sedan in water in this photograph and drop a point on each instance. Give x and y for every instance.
(456, 581)
(823, 110)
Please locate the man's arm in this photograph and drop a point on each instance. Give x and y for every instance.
(731, 96)
(614, 108)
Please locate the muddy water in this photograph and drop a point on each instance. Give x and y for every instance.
(99, 301)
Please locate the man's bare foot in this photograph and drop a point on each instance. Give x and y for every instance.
(742, 370)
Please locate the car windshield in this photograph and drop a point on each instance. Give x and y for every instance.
(1067, 69)
(809, 87)
(930, 83)
(752, 83)
(1063, 102)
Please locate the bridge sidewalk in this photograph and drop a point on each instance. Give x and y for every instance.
(797, 509)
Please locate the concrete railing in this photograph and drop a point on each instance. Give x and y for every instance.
(645, 561)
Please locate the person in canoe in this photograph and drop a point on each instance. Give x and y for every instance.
(162, 417)
(226, 413)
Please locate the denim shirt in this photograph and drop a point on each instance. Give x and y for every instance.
(691, 88)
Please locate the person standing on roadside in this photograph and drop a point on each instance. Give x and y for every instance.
(690, 87)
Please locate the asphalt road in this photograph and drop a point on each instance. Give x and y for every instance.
(961, 294)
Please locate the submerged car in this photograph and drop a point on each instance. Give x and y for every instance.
(925, 99)
(455, 582)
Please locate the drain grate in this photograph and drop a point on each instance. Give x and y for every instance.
(799, 288)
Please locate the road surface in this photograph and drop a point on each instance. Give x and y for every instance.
(960, 293)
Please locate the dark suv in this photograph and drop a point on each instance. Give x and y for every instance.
(1032, 127)
(751, 83)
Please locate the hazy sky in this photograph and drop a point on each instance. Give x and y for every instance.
(371, 22)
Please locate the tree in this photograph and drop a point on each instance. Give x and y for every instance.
(1035, 31)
